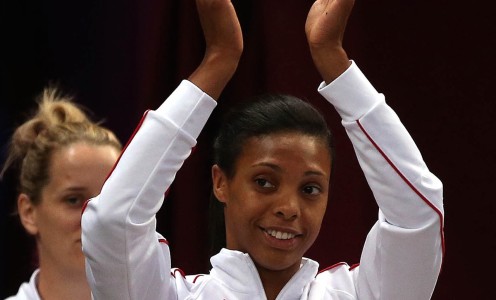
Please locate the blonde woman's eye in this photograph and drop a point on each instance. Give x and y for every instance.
(74, 201)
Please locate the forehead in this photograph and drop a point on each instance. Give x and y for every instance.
(288, 150)
(82, 163)
(286, 140)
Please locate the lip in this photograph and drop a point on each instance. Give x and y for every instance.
(286, 244)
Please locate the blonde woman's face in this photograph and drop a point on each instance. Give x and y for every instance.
(77, 173)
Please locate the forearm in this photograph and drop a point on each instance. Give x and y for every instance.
(224, 45)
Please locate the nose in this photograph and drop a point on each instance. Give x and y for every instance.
(287, 207)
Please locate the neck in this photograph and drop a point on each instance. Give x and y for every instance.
(56, 283)
(274, 281)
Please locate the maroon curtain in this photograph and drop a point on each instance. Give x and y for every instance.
(432, 60)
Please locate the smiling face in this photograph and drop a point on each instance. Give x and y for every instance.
(276, 199)
(77, 173)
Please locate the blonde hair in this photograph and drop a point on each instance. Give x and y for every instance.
(57, 123)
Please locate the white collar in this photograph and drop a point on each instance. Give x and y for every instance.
(238, 271)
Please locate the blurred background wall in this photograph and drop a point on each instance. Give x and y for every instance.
(434, 61)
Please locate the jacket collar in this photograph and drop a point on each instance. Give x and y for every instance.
(238, 272)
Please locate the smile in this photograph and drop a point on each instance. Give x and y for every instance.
(280, 235)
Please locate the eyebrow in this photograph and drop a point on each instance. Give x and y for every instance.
(266, 164)
(279, 169)
(75, 189)
(316, 173)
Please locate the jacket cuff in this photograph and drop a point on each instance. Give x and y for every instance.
(351, 94)
(188, 108)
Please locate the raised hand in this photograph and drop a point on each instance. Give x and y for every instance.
(224, 45)
(325, 27)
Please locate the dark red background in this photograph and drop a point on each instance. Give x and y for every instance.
(432, 59)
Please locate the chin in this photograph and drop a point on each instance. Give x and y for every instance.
(277, 262)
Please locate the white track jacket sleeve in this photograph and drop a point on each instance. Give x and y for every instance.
(125, 257)
(403, 252)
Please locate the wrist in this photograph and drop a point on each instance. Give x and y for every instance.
(330, 63)
(214, 72)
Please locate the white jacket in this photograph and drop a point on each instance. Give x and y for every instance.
(28, 290)
(401, 259)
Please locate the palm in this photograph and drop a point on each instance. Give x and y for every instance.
(325, 27)
(326, 22)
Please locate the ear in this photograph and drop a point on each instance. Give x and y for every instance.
(220, 184)
(27, 213)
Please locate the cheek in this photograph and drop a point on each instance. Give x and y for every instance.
(245, 208)
(239, 195)
(64, 221)
(315, 215)
(238, 209)
(251, 204)
(73, 219)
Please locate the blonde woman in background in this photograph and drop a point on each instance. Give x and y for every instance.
(61, 159)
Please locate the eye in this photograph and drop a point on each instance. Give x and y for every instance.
(74, 200)
(312, 190)
(264, 183)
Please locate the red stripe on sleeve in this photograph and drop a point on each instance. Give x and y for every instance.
(118, 159)
(438, 212)
(129, 141)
